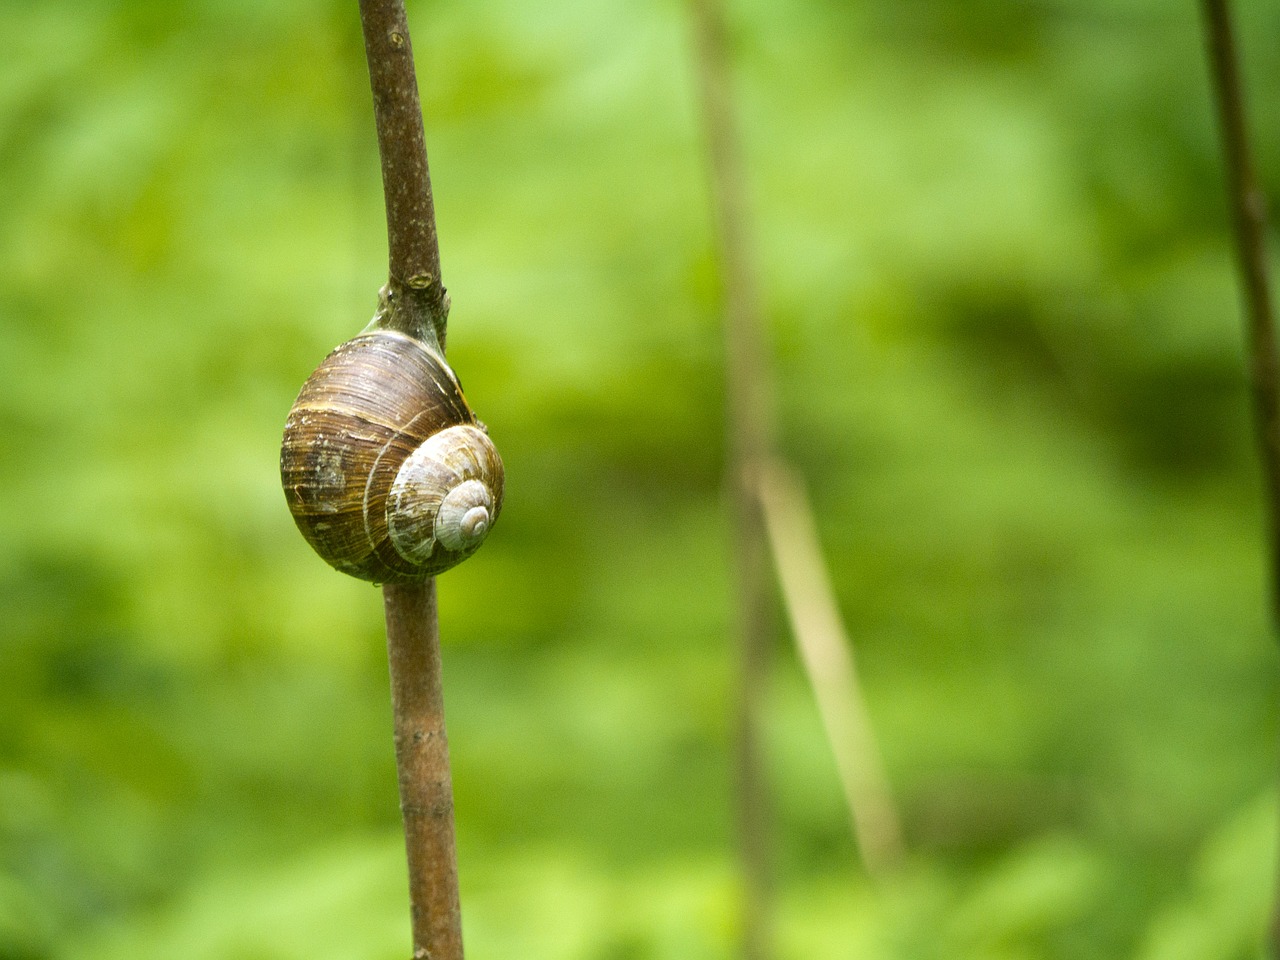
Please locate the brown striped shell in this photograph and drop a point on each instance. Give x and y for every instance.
(387, 472)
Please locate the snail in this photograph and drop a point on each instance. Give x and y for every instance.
(388, 473)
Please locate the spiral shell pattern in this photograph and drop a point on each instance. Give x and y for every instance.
(384, 466)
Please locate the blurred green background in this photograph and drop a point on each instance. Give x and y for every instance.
(1007, 332)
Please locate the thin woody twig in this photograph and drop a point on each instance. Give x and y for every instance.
(1249, 210)
(749, 436)
(415, 302)
(422, 763)
(420, 305)
(768, 511)
(1250, 219)
(828, 659)
(1248, 206)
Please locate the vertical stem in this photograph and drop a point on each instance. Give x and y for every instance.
(1249, 211)
(419, 304)
(754, 632)
(422, 762)
(415, 302)
(1250, 219)
(749, 436)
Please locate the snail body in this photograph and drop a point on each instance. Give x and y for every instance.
(386, 470)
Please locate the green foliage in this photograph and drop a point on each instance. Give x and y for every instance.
(995, 254)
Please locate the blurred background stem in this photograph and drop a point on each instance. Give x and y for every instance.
(1249, 215)
(770, 513)
(750, 435)
(827, 656)
(1249, 210)
(417, 304)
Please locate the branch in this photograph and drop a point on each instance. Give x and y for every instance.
(414, 301)
(769, 511)
(422, 763)
(415, 290)
(1248, 207)
(749, 436)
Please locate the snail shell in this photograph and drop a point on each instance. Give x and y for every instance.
(387, 472)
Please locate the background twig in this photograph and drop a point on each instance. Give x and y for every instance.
(749, 436)
(827, 656)
(1248, 207)
(767, 508)
(416, 303)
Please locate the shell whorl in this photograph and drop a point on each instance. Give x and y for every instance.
(384, 465)
(440, 499)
